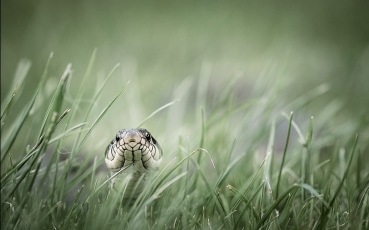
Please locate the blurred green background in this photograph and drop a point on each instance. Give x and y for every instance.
(164, 46)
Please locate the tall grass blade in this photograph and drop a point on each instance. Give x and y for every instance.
(4, 113)
(247, 204)
(82, 87)
(325, 211)
(156, 111)
(159, 191)
(7, 142)
(251, 184)
(16, 87)
(287, 194)
(227, 168)
(284, 154)
(101, 115)
(57, 98)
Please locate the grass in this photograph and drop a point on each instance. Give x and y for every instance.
(228, 174)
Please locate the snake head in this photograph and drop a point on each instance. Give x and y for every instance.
(135, 147)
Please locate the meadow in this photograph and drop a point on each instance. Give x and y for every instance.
(261, 112)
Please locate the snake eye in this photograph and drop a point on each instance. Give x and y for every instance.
(148, 136)
(117, 138)
(153, 141)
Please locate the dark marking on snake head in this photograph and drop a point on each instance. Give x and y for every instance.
(117, 137)
(131, 142)
(148, 136)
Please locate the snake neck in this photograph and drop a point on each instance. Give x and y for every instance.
(130, 186)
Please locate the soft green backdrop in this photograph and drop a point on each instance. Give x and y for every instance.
(238, 67)
(159, 44)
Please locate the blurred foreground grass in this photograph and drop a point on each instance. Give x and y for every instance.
(235, 164)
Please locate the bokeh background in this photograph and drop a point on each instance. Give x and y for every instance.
(164, 46)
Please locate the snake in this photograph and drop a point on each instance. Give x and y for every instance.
(134, 154)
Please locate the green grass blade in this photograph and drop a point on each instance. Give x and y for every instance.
(251, 184)
(75, 108)
(156, 111)
(159, 191)
(309, 135)
(75, 129)
(227, 168)
(22, 162)
(101, 116)
(201, 144)
(289, 193)
(17, 85)
(100, 90)
(244, 199)
(68, 216)
(247, 204)
(22, 177)
(219, 205)
(54, 107)
(324, 214)
(57, 98)
(309, 96)
(82, 87)
(315, 193)
(4, 113)
(8, 141)
(175, 167)
(284, 153)
(106, 181)
(202, 85)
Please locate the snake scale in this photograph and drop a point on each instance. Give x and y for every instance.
(139, 153)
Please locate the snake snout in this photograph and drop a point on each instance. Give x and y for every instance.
(132, 136)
